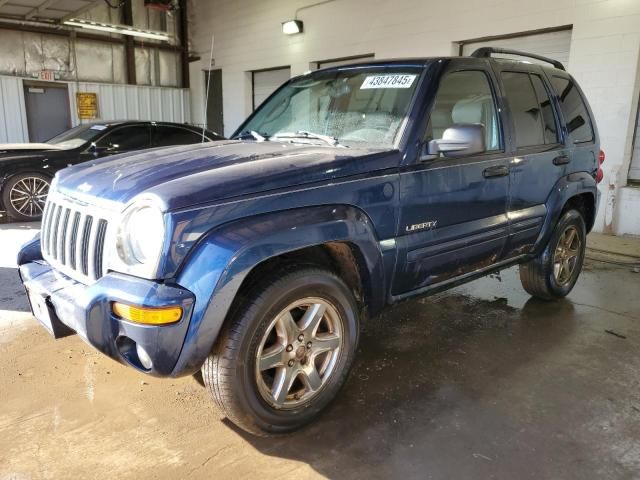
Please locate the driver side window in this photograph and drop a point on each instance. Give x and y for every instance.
(127, 138)
(464, 97)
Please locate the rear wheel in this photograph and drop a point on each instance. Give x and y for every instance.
(554, 272)
(285, 352)
(24, 196)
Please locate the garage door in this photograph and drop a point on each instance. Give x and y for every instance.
(265, 83)
(343, 61)
(634, 173)
(555, 45)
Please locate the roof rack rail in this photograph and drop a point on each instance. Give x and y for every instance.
(485, 52)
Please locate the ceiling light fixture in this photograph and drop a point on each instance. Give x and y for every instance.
(291, 27)
(121, 29)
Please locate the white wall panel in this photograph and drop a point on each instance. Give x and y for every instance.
(13, 120)
(604, 52)
(554, 45)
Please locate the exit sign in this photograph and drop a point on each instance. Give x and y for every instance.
(47, 75)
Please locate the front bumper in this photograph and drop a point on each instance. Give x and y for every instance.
(86, 309)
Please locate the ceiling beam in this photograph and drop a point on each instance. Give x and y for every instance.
(81, 10)
(39, 9)
(49, 29)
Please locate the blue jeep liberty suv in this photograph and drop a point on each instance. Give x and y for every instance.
(255, 259)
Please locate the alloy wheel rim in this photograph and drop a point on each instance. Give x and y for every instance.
(29, 195)
(565, 257)
(298, 352)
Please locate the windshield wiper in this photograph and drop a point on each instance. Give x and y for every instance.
(251, 134)
(333, 141)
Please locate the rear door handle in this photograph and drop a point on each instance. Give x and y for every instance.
(561, 160)
(497, 171)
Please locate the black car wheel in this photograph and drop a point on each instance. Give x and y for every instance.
(285, 352)
(554, 272)
(24, 196)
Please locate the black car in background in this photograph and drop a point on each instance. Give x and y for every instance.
(26, 169)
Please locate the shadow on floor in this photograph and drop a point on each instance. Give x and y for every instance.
(420, 400)
(12, 296)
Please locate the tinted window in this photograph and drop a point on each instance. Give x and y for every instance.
(525, 110)
(574, 110)
(127, 138)
(166, 136)
(465, 97)
(548, 118)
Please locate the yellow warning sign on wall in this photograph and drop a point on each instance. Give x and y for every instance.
(87, 103)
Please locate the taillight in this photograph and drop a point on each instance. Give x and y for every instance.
(599, 175)
(601, 157)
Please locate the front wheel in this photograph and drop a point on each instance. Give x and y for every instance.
(284, 352)
(554, 272)
(24, 196)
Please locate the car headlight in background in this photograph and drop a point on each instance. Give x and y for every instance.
(141, 235)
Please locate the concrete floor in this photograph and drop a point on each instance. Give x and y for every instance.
(477, 382)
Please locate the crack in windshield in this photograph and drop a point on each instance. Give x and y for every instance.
(363, 108)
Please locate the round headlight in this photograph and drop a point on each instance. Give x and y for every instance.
(142, 235)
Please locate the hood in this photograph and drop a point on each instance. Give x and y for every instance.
(25, 147)
(190, 175)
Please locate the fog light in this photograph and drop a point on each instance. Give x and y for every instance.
(143, 356)
(147, 315)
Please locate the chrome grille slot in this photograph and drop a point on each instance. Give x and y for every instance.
(72, 240)
(100, 236)
(46, 216)
(54, 239)
(62, 237)
(84, 245)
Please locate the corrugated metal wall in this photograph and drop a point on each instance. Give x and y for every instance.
(118, 102)
(13, 119)
(26, 54)
(115, 102)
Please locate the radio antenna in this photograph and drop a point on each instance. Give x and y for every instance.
(206, 98)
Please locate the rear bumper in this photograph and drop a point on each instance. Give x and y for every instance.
(87, 311)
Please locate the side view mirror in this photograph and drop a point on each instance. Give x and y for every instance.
(459, 140)
(99, 150)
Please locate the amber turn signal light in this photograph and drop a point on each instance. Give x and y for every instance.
(147, 315)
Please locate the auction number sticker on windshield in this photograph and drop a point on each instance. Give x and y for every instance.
(388, 81)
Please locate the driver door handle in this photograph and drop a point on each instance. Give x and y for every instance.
(561, 160)
(496, 171)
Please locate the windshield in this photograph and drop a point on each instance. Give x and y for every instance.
(363, 107)
(77, 136)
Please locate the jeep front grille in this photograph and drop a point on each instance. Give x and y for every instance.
(72, 239)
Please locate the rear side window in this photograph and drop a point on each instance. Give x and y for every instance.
(166, 136)
(548, 118)
(574, 110)
(465, 97)
(526, 112)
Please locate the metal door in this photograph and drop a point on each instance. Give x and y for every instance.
(48, 111)
(213, 79)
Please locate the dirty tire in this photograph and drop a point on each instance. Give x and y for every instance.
(537, 276)
(230, 371)
(10, 202)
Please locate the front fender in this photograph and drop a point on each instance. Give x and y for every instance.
(567, 187)
(30, 251)
(216, 267)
